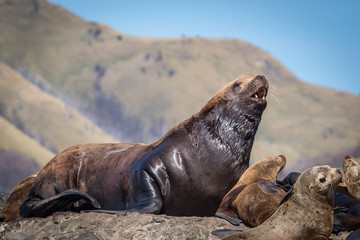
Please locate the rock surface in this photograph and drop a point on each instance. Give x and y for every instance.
(92, 225)
(3, 197)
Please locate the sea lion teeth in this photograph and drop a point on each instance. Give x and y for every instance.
(263, 97)
(256, 96)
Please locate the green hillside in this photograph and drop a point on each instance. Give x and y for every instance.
(137, 88)
(12, 139)
(43, 117)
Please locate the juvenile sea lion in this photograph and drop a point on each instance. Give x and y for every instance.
(255, 196)
(352, 175)
(306, 212)
(347, 201)
(186, 172)
(17, 196)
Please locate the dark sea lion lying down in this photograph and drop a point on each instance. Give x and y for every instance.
(256, 196)
(187, 172)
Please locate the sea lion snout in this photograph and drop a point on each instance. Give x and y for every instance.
(339, 176)
(261, 87)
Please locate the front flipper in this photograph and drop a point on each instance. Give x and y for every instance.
(227, 209)
(144, 194)
(35, 207)
(152, 208)
(231, 219)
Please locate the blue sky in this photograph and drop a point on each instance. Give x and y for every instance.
(319, 41)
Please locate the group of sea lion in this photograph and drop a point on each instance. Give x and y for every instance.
(308, 205)
(200, 167)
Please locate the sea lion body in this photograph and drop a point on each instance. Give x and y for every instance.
(186, 172)
(347, 198)
(256, 195)
(10, 211)
(346, 211)
(352, 175)
(306, 211)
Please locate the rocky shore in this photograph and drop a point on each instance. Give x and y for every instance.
(91, 225)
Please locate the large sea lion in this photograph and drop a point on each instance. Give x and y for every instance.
(256, 195)
(10, 211)
(186, 172)
(306, 212)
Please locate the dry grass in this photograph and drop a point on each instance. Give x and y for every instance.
(15, 140)
(42, 116)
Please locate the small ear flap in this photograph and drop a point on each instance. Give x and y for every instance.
(287, 195)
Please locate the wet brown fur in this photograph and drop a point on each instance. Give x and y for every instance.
(255, 196)
(186, 172)
(306, 213)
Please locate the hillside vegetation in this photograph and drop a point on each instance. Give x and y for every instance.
(35, 115)
(12, 139)
(135, 89)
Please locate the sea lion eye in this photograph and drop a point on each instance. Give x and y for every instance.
(237, 84)
(322, 180)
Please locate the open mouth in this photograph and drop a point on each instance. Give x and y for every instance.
(260, 93)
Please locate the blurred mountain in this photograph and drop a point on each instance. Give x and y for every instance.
(135, 89)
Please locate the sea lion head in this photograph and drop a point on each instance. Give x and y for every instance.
(266, 169)
(319, 182)
(352, 175)
(245, 95)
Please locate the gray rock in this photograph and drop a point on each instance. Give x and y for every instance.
(3, 198)
(91, 225)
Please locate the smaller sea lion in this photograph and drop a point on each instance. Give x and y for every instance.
(347, 201)
(352, 175)
(17, 196)
(256, 195)
(306, 211)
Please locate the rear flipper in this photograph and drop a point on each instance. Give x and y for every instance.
(34, 207)
(151, 208)
(221, 233)
(231, 219)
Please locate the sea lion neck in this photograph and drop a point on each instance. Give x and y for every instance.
(224, 129)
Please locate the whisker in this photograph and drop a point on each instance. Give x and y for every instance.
(274, 97)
